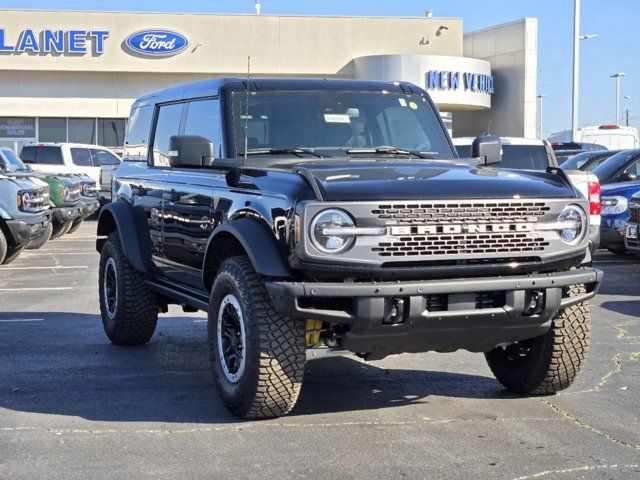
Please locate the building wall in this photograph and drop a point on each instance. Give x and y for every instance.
(512, 50)
(219, 45)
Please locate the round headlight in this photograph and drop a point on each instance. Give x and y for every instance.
(573, 214)
(85, 189)
(26, 199)
(325, 234)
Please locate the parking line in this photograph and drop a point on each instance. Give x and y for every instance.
(79, 267)
(35, 289)
(20, 320)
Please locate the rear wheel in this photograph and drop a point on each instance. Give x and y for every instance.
(12, 254)
(549, 363)
(129, 309)
(60, 229)
(76, 225)
(258, 355)
(39, 242)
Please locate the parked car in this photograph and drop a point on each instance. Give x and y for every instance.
(576, 147)
(587, 161)
(533, 154)
(621, 167)
(632, 236)
(62, 190)
(24, 214)
(335, 212)
(89, 197)
(615, 214)
(615, 137)
(71, 158)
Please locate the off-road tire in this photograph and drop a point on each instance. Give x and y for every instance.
(39, 242)
(274, 350)
(60, 229)
(3, 246)
(12, 254)
(554, 359)
(75, 225)
(136, 309)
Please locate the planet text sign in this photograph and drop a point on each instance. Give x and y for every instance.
(448, 80)
(50, 41)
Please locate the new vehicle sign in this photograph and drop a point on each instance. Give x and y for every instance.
(157, 43)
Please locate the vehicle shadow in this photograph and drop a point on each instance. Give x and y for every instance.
(64, 365)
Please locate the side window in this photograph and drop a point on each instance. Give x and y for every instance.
(138, 130)
(28, 154)
(167, 125)
(104, 157)
(81, 157)
(634, 169)
(49, 156)
(203, 119)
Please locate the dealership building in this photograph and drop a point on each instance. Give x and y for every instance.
(72, 76)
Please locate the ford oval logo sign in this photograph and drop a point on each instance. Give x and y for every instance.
(157, 43)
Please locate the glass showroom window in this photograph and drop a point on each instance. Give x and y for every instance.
(111, 132)
(52, 129)
(82, 130)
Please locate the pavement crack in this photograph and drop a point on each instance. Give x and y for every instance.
(583, 468)
(615, 371)
(590, 428)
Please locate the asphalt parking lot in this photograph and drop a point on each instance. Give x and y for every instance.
(74, 406)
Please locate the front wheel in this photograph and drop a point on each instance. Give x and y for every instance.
(257, 354)
(44, 237)
(60, 229)
(75, 225)
(12, 254)
(549, 363)
(129, 309)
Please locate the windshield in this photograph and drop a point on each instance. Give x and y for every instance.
(14, 163)
(332, 123)
(614, 163)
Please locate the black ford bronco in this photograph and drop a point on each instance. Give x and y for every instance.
(334, 213)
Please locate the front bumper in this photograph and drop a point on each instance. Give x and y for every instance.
(465, 322)
(68, 214)
(27, 228)
(611, 239)
(91, 205)
(632, 238)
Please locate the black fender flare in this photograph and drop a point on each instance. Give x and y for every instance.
(259, 243)
(133, 230)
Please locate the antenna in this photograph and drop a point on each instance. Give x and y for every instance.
(246, 110)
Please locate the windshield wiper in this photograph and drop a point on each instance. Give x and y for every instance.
(390, 151)
(280, 151)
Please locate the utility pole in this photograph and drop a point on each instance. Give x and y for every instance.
(576, 67)
(628, 118)
(617, 76)
(541, 97)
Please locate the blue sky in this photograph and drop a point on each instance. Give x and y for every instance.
(617, 47)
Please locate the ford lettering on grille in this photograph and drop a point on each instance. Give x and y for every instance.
(157, 43)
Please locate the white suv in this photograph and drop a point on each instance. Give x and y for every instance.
(95, 161)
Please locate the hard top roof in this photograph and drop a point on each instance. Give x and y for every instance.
(211, 87)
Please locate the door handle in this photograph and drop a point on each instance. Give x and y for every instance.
(171, 196)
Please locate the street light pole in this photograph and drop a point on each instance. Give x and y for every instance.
(541, 97)
(617, 77)
(576, 66)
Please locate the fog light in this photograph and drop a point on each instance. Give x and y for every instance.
(533, 302)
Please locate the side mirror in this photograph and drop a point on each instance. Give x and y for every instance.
(488, 148)
(190, 151)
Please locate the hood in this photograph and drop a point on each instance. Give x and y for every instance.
(624, 189)
(377, 180)
(25, 183)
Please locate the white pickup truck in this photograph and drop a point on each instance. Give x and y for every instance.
(533, 154)
(75, 158)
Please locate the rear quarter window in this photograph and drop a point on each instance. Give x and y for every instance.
(136, 144)
(49, 156)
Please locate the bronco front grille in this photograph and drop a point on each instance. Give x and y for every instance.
(634, 213)
(467, 212)
(495, 243)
